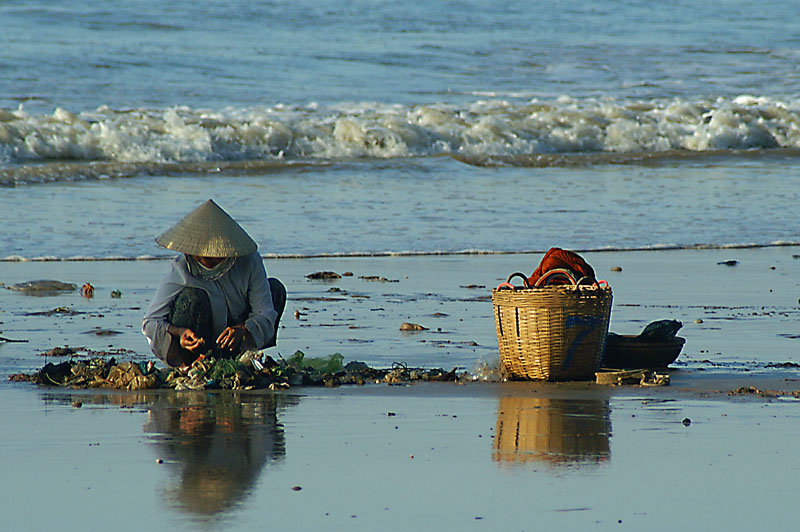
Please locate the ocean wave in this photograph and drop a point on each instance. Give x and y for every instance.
(421, 253)
(524, 132)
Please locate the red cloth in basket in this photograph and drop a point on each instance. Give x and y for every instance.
(557, 258)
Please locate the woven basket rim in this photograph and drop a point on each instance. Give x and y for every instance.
(565, 287)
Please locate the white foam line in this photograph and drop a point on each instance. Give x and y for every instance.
(411, 253)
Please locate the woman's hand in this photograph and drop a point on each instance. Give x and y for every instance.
(187, 338)
(232, 337)
(190, 341)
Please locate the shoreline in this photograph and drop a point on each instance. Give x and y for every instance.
(400, 254)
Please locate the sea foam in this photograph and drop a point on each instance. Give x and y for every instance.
(486, 128)
(416, 253)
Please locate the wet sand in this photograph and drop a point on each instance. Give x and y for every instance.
(482, 455)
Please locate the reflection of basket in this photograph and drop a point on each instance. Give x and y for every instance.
(552, 332)
(557, 431)
(624, 351)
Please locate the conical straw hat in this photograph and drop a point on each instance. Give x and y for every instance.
(208, 231)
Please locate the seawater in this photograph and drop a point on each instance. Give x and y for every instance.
(332, 128)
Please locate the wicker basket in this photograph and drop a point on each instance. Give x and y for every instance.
(555, 332)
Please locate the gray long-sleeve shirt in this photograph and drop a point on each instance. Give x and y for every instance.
(241, 295)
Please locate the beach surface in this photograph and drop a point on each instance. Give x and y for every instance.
(713, 450)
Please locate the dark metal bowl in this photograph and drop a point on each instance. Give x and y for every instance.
(629, 351)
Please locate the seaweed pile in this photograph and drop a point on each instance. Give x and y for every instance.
(251, 371)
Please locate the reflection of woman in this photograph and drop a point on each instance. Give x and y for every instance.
(216, 294)
(220, 443)
(558, 431)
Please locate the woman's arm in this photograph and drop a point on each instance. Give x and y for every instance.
(260, 323)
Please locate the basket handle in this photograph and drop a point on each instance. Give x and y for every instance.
(508, 286)
(568, 274)
(556, 272)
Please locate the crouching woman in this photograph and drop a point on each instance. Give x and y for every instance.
(216, 299)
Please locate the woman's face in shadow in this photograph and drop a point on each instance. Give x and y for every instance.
(208, 262)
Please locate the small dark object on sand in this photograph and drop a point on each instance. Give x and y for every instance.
(378, 278)
(355, 367)
(62, 311)
(783, 365)
(43, 286)
(102, 332)
(326, 275)
(11, 340)
(58, 352)
(87, 291)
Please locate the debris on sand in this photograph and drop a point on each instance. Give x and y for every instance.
(250, 371)
(95, 373)
(11, 340)
(43, 285)
(783, 365)
(325, 275)
(642, 377)
(377, 279)
(63, 311)
(65, 351)
(767, 394)
(87, 291)
(97, 331)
